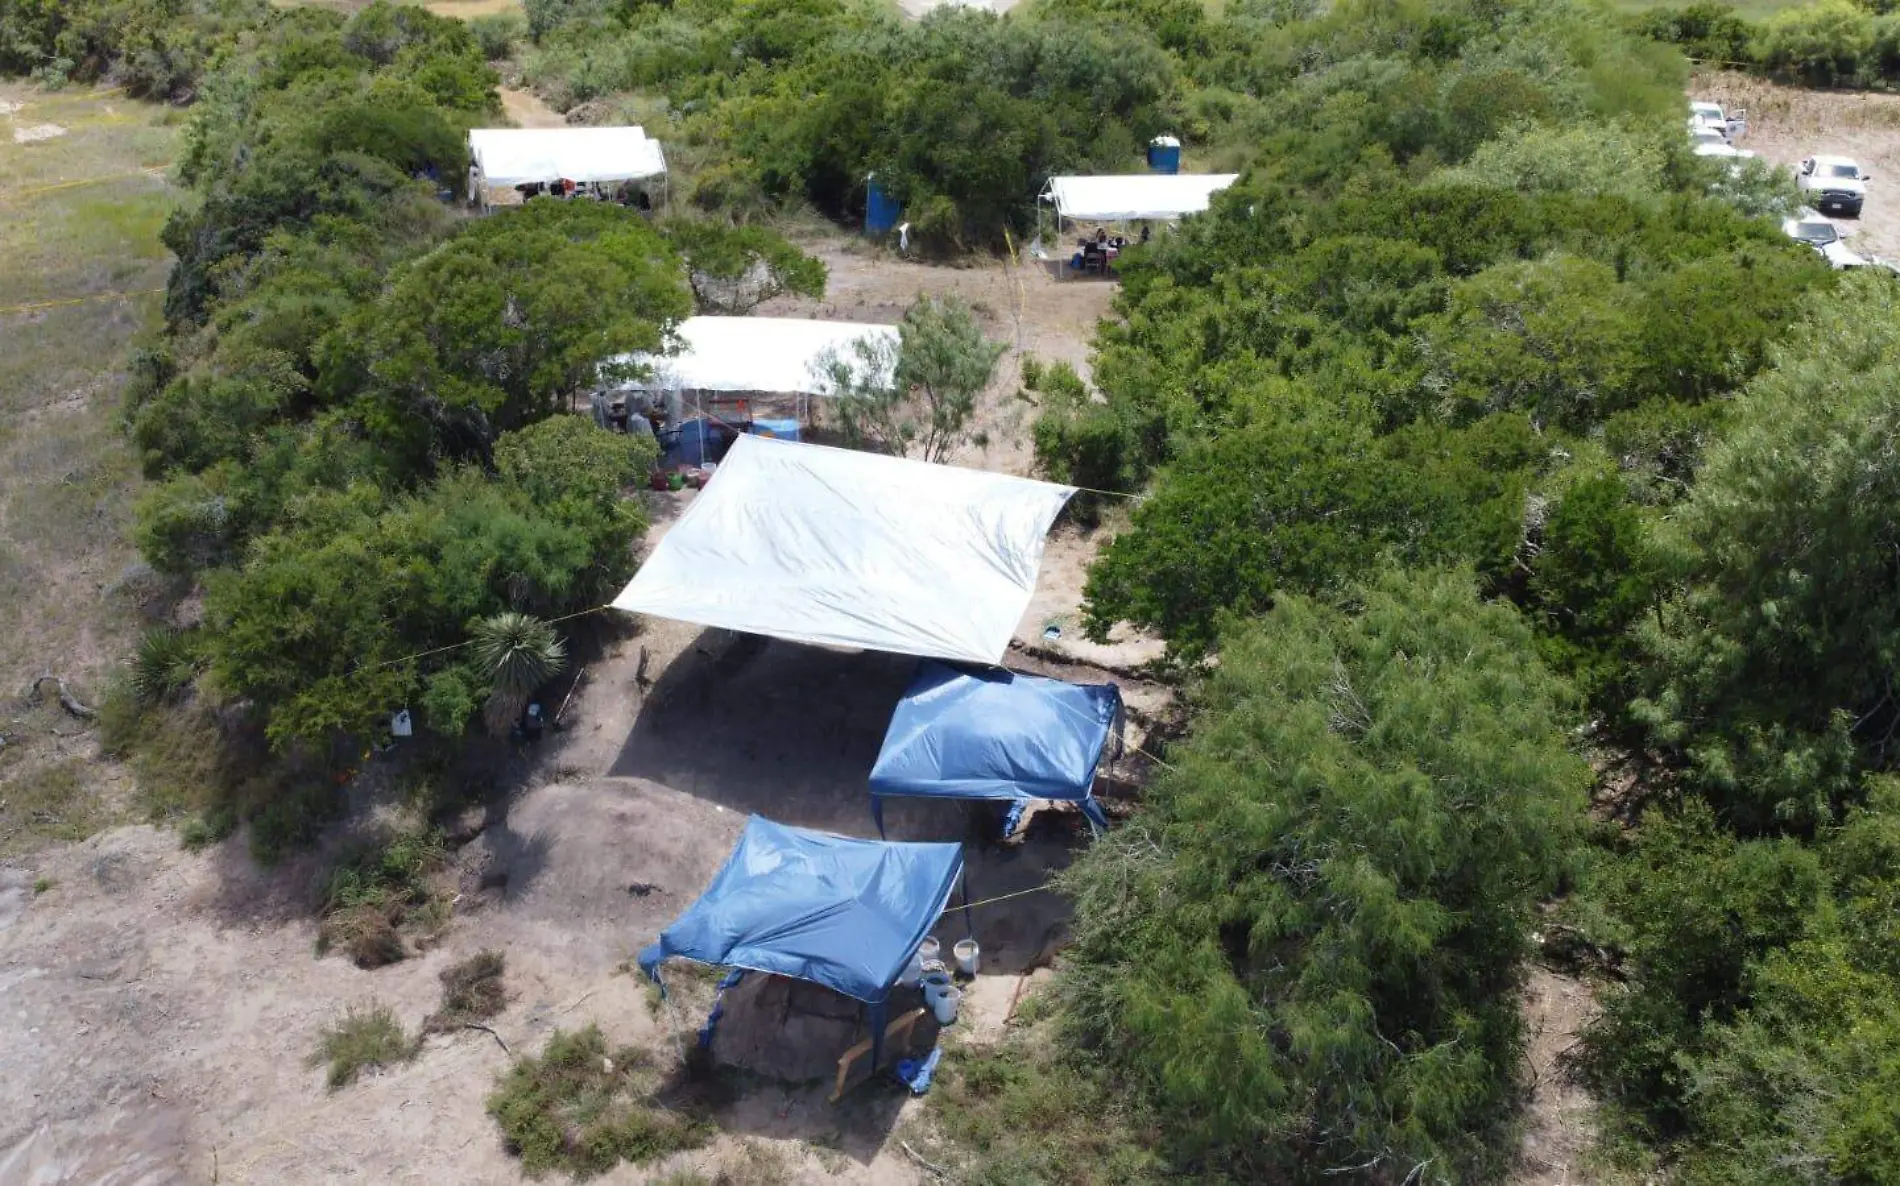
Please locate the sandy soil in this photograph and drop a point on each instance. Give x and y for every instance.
(1560, 1117)
(1787, 124)
(526, 110)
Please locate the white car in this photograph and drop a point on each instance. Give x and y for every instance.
(1817, 232)
(1703, 114)
(1836, 185)
(1703, 136)
(1725, 151)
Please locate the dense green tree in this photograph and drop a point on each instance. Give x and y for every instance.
(735, 269)
(919, 395)
(1777, 660)
(509, 321)
(1305, 951)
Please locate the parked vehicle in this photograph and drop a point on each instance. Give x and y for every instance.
(1835, 184)
(1703, 136)
(1732, 125)
(1727, 151)
(1817, 232)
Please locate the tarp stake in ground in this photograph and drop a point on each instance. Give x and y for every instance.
(841, 548)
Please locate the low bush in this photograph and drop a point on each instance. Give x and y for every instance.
(471, 991)
(581, 1109)
(377, 893)
(1020, 1115)
(362, 1039)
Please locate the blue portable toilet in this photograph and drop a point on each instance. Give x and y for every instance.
(881, 210)
(1164, 154)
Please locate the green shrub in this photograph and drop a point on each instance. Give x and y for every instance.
(498, 33)
(1820, 43)
(582, 1110)
(1318, 921)
(363, 1039)
(471, 991)
(377, 891)
(168, 660)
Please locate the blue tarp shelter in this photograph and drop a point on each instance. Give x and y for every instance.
(844, 913)
(995, 734)
(836, 911)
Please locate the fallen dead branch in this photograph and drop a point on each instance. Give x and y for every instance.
(67, 700)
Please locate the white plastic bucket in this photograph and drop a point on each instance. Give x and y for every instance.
(929, 950)
(969, 956)
(941, 997)
(912, 970)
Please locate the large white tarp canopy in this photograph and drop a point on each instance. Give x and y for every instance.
(774, 355)
(1126, 197)
(519, 156)
(840, 548)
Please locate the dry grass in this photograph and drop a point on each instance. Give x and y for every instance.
(471, 991)
(362, 1039)
(45, 803)
(79, 218)
(379, 894)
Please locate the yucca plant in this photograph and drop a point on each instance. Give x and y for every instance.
(168, 660)
(519, 652)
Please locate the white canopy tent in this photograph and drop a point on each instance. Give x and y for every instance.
(840, 548)
(768, 355)
(1160, 197)
(521, 156)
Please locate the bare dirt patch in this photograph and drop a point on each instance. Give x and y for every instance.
(1559, 1128)
(35, 133)
(525, 109)
(1787, 124)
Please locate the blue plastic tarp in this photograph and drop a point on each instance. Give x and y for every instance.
(836, 911)
(995, 735)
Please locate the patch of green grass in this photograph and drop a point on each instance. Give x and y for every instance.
(1020, 1115)
(471, 991)
(47, 804)
(376, 892)
(194, 772)
(79, 218)
(213, 827)
(582, 1110)
(41, 885)
(361, 1039)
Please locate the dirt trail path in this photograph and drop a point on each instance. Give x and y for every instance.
(526, 110)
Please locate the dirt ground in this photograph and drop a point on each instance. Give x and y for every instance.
(1788, 124)
(1560, 1126)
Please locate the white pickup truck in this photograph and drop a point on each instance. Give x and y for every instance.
(1834, 184)
(1730, 125)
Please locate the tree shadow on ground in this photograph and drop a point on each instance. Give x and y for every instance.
(767, 727)
(791, 732)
